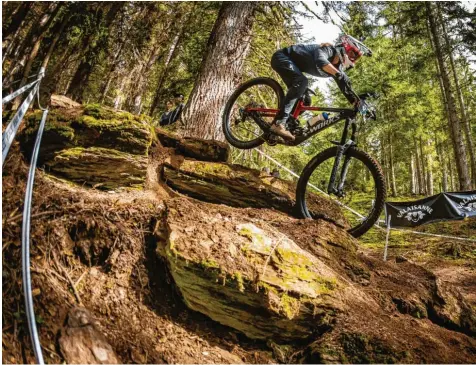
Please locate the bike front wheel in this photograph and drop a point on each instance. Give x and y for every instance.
(239, 125)
(362, 188)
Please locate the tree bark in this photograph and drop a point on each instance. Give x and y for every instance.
(392, 167)
(412, 175)
(429, 173)
(173, 52)
(464, 115)
(11, 32)
(23, 48)
(455, 123)
(418, 168)
(85, 68)
(221, 67)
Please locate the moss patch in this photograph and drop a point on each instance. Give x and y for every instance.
(100, 167)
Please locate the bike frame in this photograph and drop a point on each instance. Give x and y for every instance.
(343, 114)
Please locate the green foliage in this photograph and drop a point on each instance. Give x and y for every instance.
(141, 53)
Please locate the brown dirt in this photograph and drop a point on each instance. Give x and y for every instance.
(105, 244)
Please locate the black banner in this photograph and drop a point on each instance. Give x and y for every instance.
(441, 207)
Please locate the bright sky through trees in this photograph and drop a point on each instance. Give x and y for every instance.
(316, 31)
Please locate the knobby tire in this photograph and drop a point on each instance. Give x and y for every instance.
(374, 169)
(229, 105)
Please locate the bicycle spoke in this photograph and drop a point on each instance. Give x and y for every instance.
(358, 191)
(242, 126)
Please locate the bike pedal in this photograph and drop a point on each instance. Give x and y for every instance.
(299, 131)
(273, 139)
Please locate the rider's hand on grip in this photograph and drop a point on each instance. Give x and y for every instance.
(368, 95)
(363, 107)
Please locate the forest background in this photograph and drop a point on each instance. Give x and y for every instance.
(135, 56)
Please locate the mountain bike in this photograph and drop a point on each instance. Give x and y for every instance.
(350, 176)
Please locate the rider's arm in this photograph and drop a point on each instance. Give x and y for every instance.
(345, 86)
(323, 55)
(330, 69)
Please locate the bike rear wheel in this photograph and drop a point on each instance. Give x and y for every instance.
(240, 127)
(364, 188)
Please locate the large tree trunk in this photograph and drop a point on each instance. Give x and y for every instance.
(221, 67)
(455, 123)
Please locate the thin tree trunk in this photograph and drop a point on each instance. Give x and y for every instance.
(440, 156)
(418, 167)
(36, 45)
(34, 51)
(392, 167)
(464, 115)
(85, 68)
(412, 175)
(173, 52)
(21, 50)
(449, 167)
(429, 173)
(455, 123)
(385, 161)
(423, 168)
(139, 83)
(221, 67)
(11, 32)
(115, 62)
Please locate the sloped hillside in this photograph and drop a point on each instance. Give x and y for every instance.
(151, 248)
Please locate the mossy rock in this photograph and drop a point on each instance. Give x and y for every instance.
(239, 186)
(247, 275)
(99, 167)
(196, 148)
(355, 348)
(90, 126)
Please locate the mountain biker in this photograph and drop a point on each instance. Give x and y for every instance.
(324, 60)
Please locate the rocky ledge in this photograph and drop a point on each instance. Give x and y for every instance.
(92, 145)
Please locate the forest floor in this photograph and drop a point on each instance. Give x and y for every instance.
(98, 249)
(451, 260)
(139, 310)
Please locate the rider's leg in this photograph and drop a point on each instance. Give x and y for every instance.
(295, 81)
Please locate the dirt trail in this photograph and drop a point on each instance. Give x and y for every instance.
(104, 243)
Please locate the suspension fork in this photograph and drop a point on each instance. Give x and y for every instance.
(341, 150)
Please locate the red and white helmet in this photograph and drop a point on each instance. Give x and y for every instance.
(351, 50)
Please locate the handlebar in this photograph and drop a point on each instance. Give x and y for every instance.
(368, 95)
